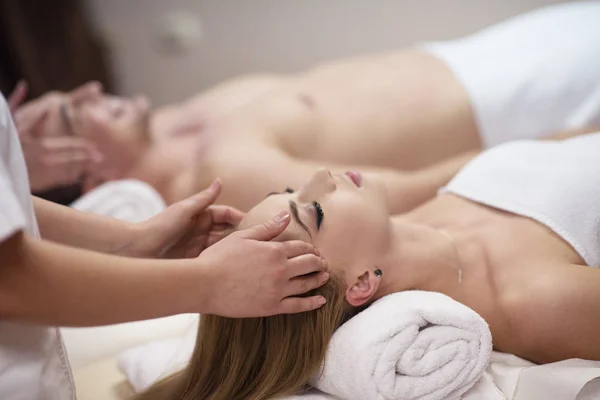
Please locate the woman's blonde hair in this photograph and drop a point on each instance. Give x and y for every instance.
(256, 358)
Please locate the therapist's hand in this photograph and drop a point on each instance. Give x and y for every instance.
(184, 229)
(54, 157)
(253, 277)
(18, 95)
(53, 161)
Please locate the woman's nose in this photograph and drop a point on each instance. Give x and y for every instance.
(320, 183)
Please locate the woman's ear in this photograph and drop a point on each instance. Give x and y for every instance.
(363, 289)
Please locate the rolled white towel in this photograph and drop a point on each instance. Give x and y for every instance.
(409, 345)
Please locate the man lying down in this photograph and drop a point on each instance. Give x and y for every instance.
(514, 236)
(413, 116)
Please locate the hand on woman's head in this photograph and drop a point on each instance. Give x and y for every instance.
(346, 220)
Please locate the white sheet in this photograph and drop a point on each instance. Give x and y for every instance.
(507, 377)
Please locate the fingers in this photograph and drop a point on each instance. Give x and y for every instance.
(65, 143)
(301, 285)
(74, 173)
(85, 92)
(182, 213)
(66, 158)
(305, 264)
(268, 230)
(33, 127)
(199, 202)
(65, 173)
(294, 305)
(17, 96)
(294, 248)
(225, 215)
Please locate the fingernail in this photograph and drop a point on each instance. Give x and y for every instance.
(324, 263)
(282, 217)
(317, 252)
(215, 184)
(325, 276)
(321, 301)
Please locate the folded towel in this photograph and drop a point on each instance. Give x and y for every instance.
(127, 200)
(409, 345)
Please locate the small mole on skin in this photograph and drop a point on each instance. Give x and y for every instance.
(307, 100)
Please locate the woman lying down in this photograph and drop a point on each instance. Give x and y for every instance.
(512, 236)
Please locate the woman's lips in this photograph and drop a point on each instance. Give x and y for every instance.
(355, 177)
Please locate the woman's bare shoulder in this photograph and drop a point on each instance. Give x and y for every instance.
(555, 314)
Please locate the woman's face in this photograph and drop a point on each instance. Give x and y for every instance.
(345, 216)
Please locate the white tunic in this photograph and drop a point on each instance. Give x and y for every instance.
(33, 361)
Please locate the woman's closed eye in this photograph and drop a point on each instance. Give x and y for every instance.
(319, 214)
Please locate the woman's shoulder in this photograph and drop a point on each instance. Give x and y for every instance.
(549, 315)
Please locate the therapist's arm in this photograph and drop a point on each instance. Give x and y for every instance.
(50, 284)
(243, 275)
(80, 229)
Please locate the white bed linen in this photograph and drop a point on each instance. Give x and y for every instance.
(507, 377)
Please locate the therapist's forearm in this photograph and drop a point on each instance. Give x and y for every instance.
(51, 284)
(67, 226)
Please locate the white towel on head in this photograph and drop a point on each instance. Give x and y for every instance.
(409, 345)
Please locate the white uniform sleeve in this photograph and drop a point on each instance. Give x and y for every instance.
(12, 218)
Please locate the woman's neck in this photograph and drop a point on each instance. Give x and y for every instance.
(420, 258)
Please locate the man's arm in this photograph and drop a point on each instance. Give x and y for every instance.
(258, 170)
(67, 226)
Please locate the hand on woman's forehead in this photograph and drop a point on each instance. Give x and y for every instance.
(267, 209)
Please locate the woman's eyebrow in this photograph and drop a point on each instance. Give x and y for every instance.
(294, 211)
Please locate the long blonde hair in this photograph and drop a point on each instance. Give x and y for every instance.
(256, 358)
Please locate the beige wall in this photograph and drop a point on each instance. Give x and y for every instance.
(241, 36)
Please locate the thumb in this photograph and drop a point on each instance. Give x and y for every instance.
(268, 230)
(179, 215)
(199, 202)
(17, 96)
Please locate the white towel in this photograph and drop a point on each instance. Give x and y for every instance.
(409, 345)
(127, 200)
(556, 183)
